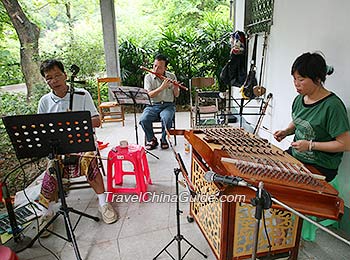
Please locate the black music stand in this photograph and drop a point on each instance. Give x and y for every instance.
(52, 135)
(179, 237)
(133, 96)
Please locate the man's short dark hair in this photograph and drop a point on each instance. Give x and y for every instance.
(162, 57)
(49, 65)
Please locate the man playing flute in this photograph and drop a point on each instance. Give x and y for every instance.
(162, 93)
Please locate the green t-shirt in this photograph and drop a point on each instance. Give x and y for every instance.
(322, 121)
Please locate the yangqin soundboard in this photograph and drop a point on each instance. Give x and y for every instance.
(228, 226)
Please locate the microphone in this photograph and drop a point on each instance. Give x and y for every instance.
(211, 176)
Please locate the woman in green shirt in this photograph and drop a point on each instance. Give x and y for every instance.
(320, 123)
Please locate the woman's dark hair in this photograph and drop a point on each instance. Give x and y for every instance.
(313, 66)
(49, 65)
(162, 57)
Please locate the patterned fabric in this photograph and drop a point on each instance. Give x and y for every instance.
(85, 165)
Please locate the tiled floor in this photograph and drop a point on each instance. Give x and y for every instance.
(143, 229)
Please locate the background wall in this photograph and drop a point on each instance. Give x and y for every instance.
(300, 26)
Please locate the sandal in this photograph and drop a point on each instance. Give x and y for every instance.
(152, 144)
(164, 145)
(101, 145)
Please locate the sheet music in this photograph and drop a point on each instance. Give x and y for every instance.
(126, 95)
(36, 135)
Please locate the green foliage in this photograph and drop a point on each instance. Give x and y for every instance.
(4, 19)
(192, 33)
(91, 86)
(194, 53)
(215, 34)
(131, 58)
(52, 15)
(187, 13)
(87, 55)
(10, 70)
(16, 104)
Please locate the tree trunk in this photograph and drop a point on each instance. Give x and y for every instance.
(70, 23)
(28, 34)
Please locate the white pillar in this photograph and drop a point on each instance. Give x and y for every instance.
(110, 38)
(239, 10)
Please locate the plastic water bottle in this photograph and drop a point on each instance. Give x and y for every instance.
(187, 147)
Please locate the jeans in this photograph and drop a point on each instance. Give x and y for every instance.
(163, 112)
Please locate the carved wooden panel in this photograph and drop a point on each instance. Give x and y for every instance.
(208, 215)
(281, 228)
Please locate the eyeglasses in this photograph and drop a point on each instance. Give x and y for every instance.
(57, 77)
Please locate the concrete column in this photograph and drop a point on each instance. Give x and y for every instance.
(110, 41)
(239, 10)
(110, 38)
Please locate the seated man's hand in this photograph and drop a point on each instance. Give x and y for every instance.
(166, 83)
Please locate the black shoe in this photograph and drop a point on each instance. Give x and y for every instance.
(152, 144)
(164, 145)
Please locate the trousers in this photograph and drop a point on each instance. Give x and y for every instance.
(163, 112)
(87, 166)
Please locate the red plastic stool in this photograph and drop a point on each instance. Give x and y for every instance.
(7, 254)
(136, 155)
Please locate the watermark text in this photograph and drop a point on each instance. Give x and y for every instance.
(184, 197)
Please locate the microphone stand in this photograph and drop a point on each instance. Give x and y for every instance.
(311, 221)
(261, 201)
(264, 201)
(54, 143)
(179, 237)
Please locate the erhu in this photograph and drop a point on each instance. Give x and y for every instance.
(174, 82)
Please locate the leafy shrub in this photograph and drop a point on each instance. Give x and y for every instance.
(10, 69)
(16, 104)
(197, 53)
(131, 58)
